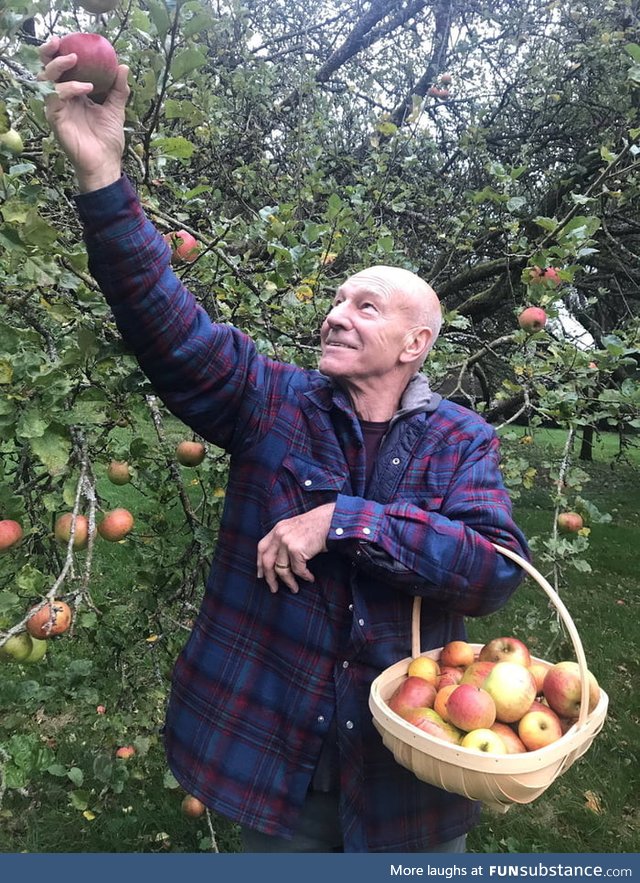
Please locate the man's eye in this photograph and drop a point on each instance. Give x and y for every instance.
(368, 305)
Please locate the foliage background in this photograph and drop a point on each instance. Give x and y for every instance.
(298, 142)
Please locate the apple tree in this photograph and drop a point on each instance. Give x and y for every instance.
(492, 148)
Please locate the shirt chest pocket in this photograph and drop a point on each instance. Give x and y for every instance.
(301, 485)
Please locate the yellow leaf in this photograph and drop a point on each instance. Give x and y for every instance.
(89, 816)
(218, 492)
(593, 801)
(152, 639)
(304, 292)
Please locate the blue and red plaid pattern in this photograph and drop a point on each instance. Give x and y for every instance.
(262, 676)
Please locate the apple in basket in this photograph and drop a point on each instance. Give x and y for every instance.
(505, 650)
(512, 741)
(539, 669)
(484, 740)
(424, 667)
(561, 688)
(430, 722)
(477, 673)
(471, 708)
(413, 692)
(512, 688)
(539, 726)
(449, 675)
(458, 654)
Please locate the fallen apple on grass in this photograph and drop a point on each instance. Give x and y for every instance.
(125, 752)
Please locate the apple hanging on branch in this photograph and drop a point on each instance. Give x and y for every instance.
(116, 525)
(533, 319)
(118, 472)
(190, 453)
(53, 618)
(97, 62)
(193, 807)
(184, 247)
(62, 530)
(10, 534)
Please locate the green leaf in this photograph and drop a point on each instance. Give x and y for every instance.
(103, 768)
(187, 61)
(169, 781)
(178, 147)
(633, 50)
(76, 775)
(53, 449)
(79, 800)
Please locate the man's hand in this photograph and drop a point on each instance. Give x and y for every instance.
(283, 553)
(92, 135)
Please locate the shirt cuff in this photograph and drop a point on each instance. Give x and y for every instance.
(355, 518)
(96, 206)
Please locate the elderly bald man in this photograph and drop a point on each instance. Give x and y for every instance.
(351, 490)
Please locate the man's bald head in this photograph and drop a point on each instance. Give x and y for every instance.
(416, 296)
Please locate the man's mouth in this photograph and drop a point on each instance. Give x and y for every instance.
(347, 346)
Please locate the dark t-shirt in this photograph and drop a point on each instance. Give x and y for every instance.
(327, 773)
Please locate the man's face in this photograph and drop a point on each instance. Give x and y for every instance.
(364, 333)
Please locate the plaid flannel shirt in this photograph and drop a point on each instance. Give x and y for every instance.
(262, 676)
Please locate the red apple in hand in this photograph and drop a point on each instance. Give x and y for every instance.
(471, 708)
(505, 650)
(532, 319)
(513, 690)
(412, 693)
(97, 62)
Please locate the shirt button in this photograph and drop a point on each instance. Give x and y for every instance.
(321, 718)
(345, 664)
(350, 606)
(339, 531)
(361, 622)
(349, 725)
(366, 531)
(308, 483)
(396, 461)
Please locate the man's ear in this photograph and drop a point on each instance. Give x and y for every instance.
(417, 344)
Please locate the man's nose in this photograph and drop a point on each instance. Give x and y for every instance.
(338, 316)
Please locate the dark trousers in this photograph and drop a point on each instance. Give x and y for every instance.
(319, 831)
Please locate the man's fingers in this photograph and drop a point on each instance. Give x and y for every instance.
(49, 50)
(54, 68)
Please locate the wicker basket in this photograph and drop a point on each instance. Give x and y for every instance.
(499, 780)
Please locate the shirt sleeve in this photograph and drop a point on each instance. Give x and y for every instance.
(209, 375)
(445, 555)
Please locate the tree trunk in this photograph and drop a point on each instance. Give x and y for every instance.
(586, 448)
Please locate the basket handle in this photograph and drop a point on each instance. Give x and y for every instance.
(560, 607)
